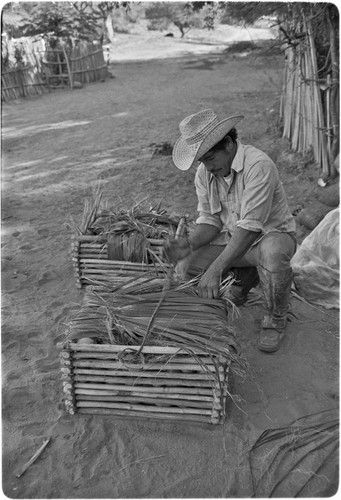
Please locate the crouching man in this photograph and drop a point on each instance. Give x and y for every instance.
(244, 224)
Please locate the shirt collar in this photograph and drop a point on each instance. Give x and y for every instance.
(238, 160)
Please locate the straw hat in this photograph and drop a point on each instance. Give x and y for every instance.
(199, 133)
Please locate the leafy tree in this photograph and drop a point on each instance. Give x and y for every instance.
(184, 15)
(54, 21)
(104, 11)
(12, 18)
(67, 20)
(250, 12)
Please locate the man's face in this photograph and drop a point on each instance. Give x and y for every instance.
(219, 162)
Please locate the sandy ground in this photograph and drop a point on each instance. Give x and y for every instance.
(55, 147)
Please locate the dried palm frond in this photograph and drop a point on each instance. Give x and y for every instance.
(299, 459)
(149, 221)
(142, 312)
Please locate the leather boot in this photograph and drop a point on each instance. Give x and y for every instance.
(276, 288)
(246, 278)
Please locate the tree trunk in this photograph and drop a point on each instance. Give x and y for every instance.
(110, 29)
(181, 28)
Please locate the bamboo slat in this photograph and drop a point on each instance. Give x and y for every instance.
(155, 409)
(328, 114)
(172, 392)
(180, 360)
(296, 114)
(146, 415)
(112, 389)
(140, 378)
(309, 107)
(116, 263)
(154, 378)
(323, 156)
(146, 399)
(97, 363)
(119, 348)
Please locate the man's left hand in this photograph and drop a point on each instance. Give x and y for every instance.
(209, 284)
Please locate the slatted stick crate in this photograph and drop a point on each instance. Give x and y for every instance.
(91, 263)
(149, 348)
(113, 244)
(166, 383)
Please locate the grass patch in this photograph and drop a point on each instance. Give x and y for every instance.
(242, 46)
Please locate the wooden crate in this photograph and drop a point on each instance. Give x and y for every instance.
(91, 263)
(161, 382)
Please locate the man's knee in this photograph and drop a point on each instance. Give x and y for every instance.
(276, 251)
(201, 259)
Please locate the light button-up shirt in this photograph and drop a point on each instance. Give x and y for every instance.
(251, 197)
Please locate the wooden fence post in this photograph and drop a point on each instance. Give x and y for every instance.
(68, 68)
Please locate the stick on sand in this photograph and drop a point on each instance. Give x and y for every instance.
(37, 454)
(140, 460)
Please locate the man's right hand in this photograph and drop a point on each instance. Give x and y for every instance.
(177, 249)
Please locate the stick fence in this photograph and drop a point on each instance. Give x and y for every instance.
(21, 82)
(85, 64)
(48, 69)
(306, 104)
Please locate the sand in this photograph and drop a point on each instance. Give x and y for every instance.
(55, 148)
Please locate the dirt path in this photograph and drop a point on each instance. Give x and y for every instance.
(55, 148)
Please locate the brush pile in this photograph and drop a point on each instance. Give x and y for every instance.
(154, 336)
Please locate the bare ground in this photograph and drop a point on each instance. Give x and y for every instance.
(55, 148)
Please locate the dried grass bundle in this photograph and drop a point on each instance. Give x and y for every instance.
(145, 311)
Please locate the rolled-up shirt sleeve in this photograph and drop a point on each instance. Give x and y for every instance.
(256, 203)
(204, 209)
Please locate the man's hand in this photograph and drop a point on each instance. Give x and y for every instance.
(177, 249)
(209, 284)
(239, 244)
